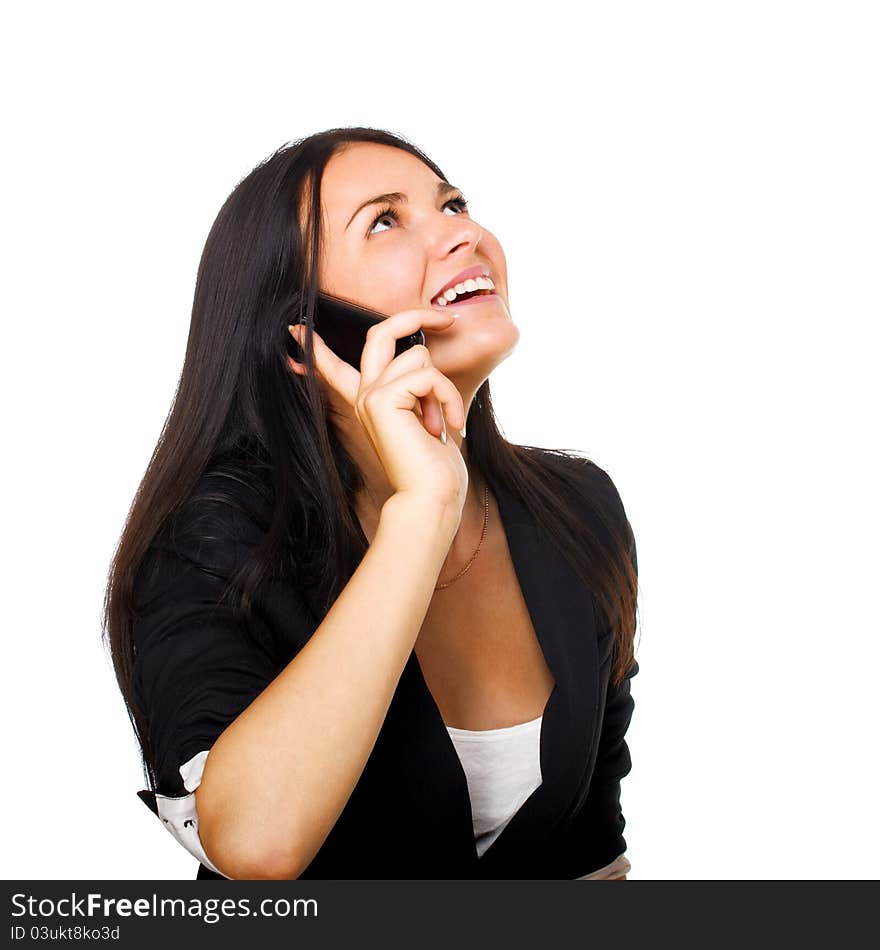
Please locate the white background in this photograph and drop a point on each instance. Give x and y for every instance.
(688, 197)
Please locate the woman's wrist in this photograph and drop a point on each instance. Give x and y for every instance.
(428, 516)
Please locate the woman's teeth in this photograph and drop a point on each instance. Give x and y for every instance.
(466, 287)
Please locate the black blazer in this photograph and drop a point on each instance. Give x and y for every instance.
(409, 816)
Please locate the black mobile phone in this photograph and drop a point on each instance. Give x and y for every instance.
(343, 326)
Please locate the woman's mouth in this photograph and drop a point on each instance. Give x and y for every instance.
(473, 289)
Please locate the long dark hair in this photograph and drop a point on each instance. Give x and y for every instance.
(238, 398)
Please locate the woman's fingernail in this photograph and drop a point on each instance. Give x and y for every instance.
(443, 419)
(463, 430)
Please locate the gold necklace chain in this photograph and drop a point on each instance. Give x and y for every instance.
(482, 538)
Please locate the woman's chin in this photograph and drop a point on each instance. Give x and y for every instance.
(469, 347)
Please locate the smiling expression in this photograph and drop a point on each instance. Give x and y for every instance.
(395, 235)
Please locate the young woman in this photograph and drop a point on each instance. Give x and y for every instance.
(358, 633)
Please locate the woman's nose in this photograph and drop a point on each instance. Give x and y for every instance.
(459, 230)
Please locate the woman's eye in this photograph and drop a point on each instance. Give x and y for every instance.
(386, 213)
(458, 201)
(392, 214)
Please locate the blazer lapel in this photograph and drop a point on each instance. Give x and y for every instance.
(561, 611)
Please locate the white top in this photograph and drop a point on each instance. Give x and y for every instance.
(503, 768)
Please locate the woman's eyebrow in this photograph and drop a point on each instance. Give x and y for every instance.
(395, 197)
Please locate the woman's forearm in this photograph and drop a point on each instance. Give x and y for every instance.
(278, 777)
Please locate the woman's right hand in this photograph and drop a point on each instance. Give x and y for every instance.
(384, 396)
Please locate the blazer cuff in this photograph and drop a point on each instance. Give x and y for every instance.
(178, 812)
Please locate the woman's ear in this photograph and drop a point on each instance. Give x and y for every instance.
(296, 332)
(299, 368)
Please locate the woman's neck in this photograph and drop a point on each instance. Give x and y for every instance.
(368, 502)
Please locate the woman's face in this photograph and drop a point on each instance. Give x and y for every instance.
(398, 255)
